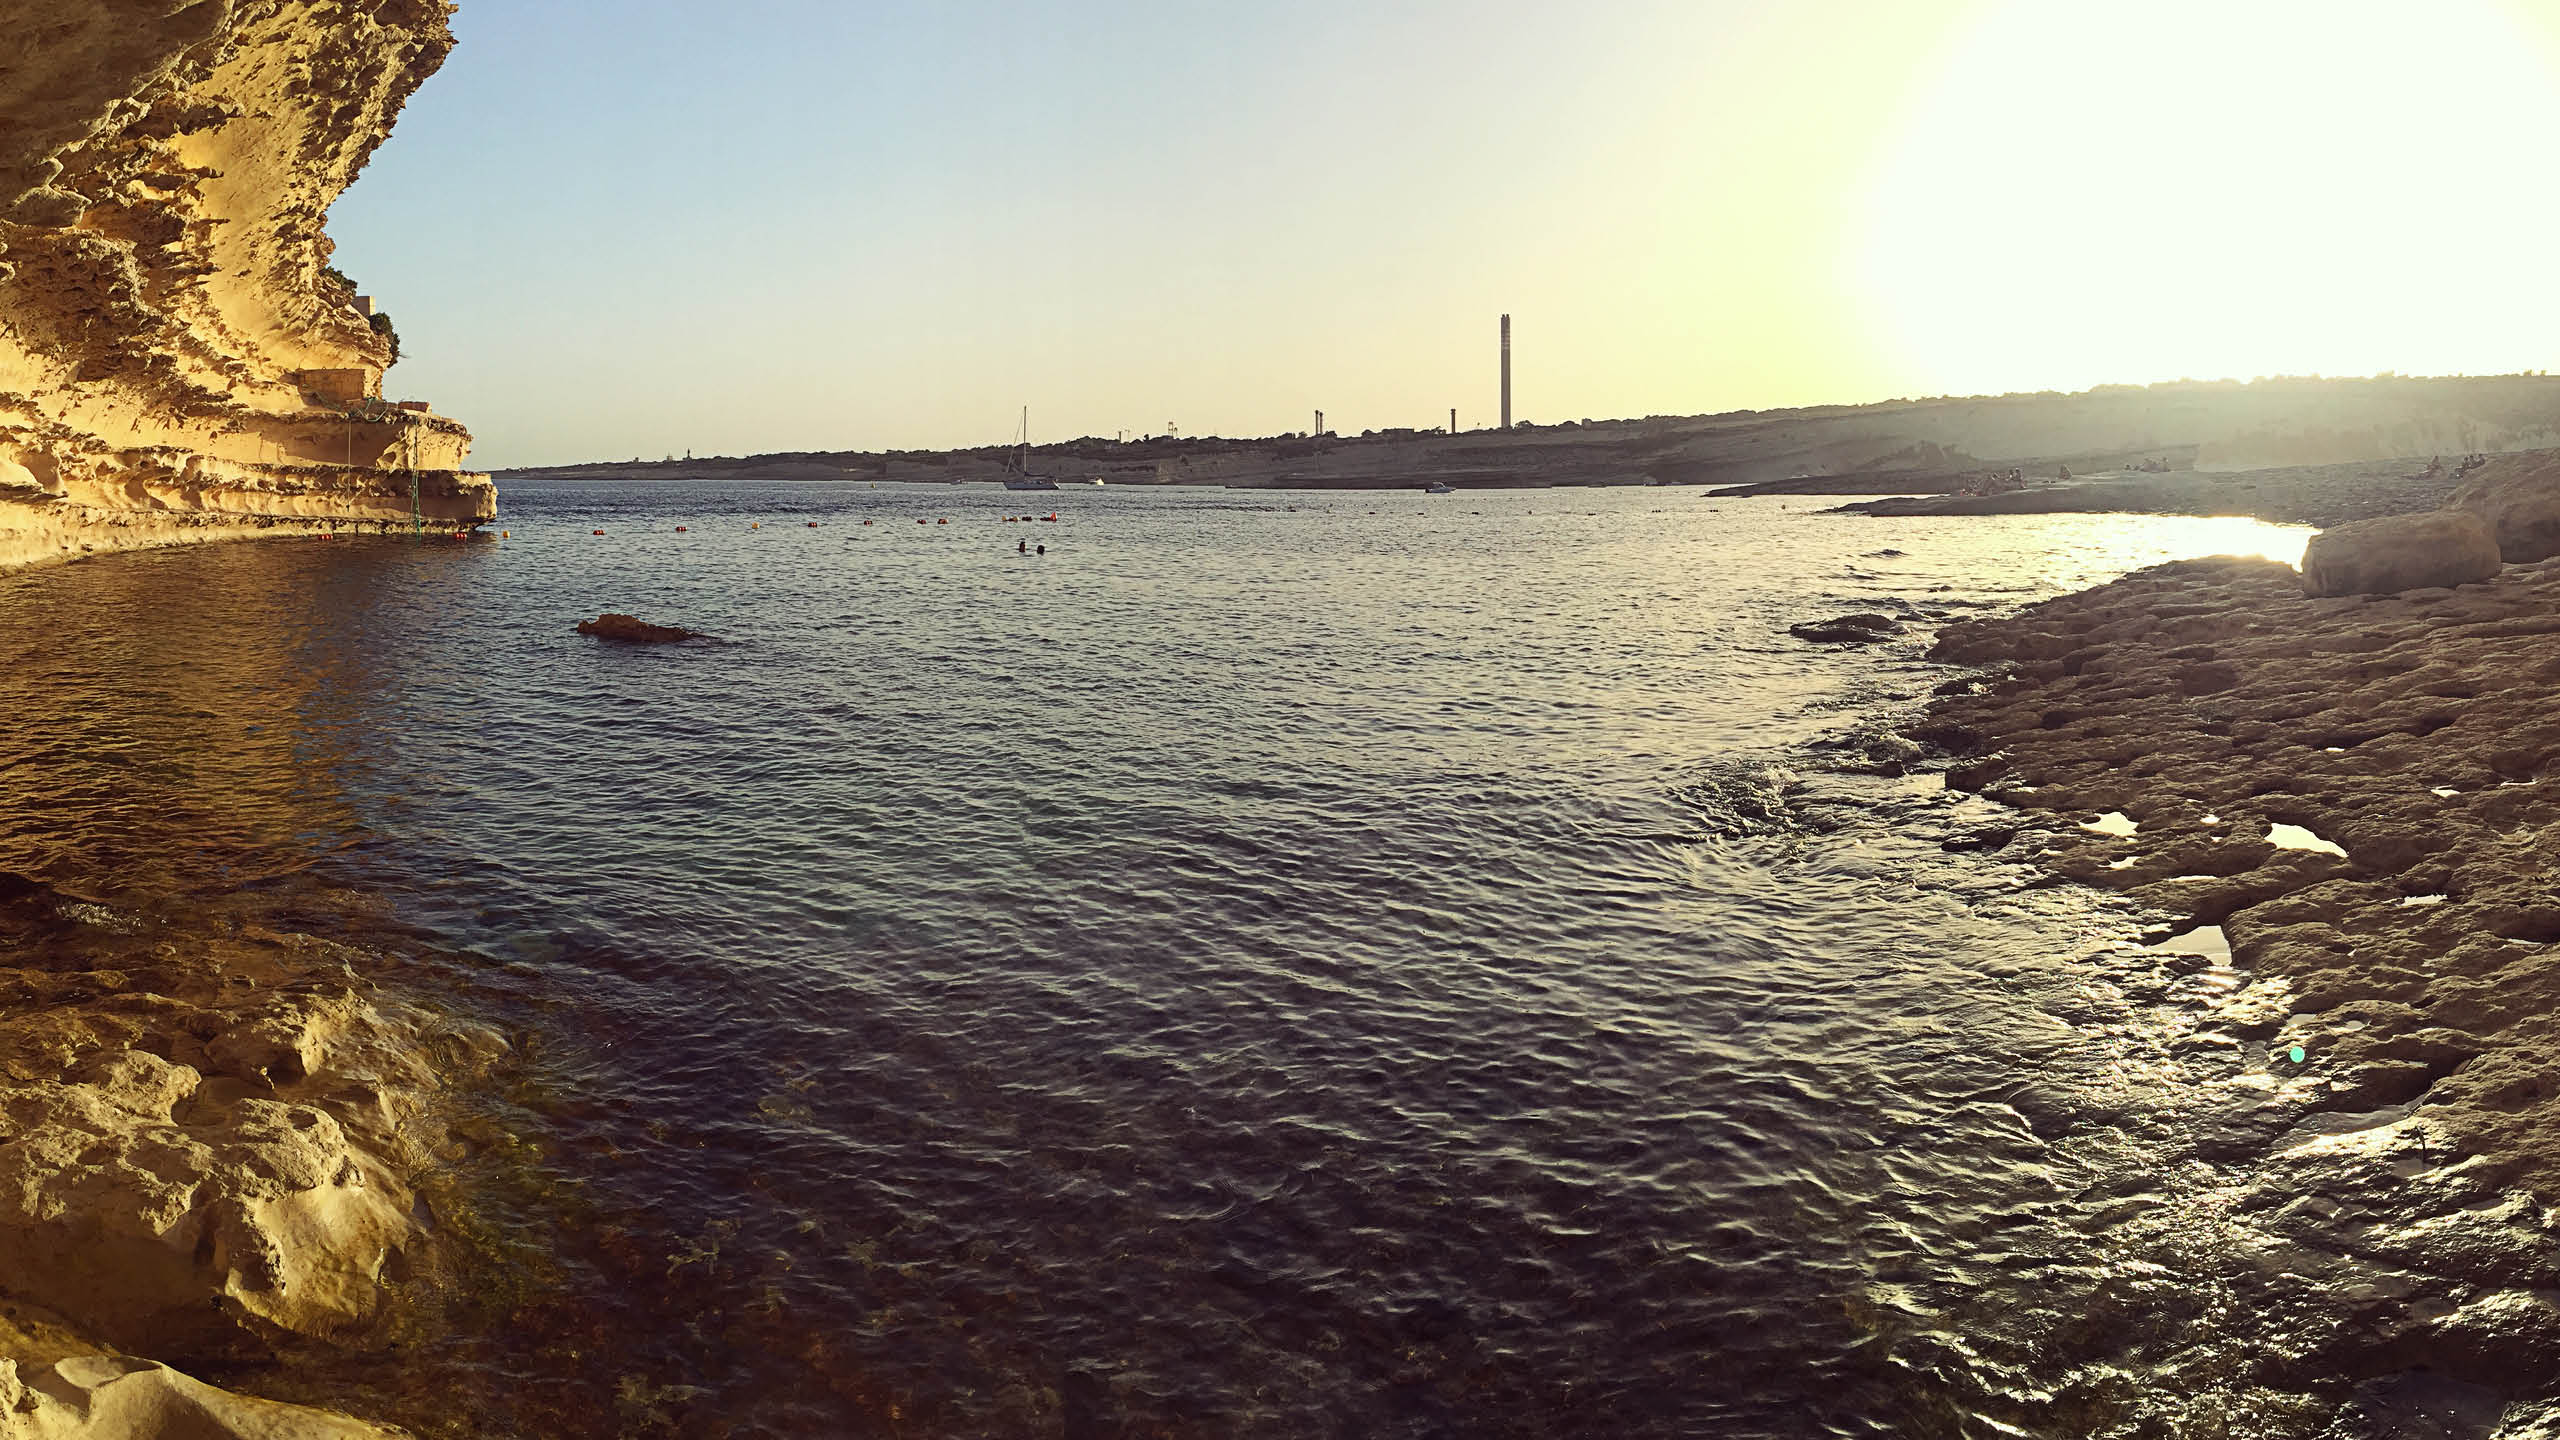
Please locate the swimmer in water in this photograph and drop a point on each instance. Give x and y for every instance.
(1044, 549)
(1022, 547)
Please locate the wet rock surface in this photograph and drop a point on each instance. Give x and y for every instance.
(1848, 630)
(2363, 1245)
(612, 626)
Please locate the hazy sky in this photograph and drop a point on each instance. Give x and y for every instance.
(646, 226)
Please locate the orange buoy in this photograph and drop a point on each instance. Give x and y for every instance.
(599, 532)
(503, 534)
(941, 522)
(679, 529)
(813, 524)
(758, 525)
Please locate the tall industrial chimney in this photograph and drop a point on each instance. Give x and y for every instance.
(1506, 372)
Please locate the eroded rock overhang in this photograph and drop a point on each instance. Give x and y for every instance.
(178, 359)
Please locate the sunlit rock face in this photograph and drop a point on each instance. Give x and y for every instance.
(177, 360)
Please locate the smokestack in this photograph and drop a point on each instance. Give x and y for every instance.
(1453, 419)
(1506, 372)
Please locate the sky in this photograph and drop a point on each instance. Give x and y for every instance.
(644, 227)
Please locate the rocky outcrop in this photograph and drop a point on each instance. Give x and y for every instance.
(614, 626)
(1847, 630)
(177, 359)
(2400, 552)
(2518, 496)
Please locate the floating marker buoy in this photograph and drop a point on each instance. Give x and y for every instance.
(866, 522)
(758, 525)
(679, 529)
(503, 534)
(813, 524)
(599, 532)
(941, 522)
(919, 522)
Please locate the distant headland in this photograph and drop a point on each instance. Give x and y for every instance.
(1950, 446)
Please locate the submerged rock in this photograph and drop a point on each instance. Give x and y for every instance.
(2400, 552)
(611, 626)
(1848, 630)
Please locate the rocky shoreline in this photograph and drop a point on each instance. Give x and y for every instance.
(2322, 495)
(2360, 797)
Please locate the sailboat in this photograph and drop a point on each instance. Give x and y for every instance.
(1022, 478)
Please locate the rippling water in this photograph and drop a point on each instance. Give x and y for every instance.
(1274, 965)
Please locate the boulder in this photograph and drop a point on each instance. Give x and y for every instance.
(1848, 630)
(2518, 497)
(610, 626)
(2400, 552)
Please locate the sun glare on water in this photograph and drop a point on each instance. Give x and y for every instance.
(2085, 193)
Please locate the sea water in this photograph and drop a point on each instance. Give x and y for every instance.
(1276, 964)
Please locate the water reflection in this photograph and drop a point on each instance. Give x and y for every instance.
(1355, 968)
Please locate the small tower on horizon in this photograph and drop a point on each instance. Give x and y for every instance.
(1506, 372)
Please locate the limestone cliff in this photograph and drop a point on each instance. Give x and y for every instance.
(177, 358)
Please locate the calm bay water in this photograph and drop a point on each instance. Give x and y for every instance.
(1275, 965)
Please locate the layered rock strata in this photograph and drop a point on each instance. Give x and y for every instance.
(2362, 792)
(177, 359)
